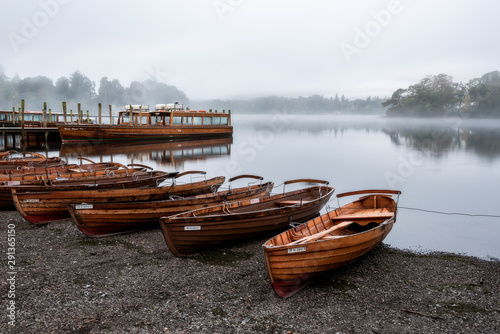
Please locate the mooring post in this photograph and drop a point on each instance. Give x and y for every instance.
(71, 115)
(50, 115)
(23, 135)
(110, 116)
(88, 117)
(140, 115)
(44, 115)
(64, 112)
(79, 113)
(99, 110)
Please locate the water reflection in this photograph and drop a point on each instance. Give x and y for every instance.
(33, 143)
(162, 155)
(435, 136)
(441, 139)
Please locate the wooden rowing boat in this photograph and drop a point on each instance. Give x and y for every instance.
(195, 230)
(13, 159)
(34, 172)
(329, 241)
(49, 205)
(103, 219)
(86, 174)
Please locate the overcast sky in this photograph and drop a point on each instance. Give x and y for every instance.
(248, 48)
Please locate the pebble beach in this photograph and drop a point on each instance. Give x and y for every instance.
(66, 282)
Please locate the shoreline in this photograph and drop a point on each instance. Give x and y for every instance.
(68, 282)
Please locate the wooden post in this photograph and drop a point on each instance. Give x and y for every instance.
(23, 134)
(140, 115)
(131, 116)
(50, 115)
(229, 118)
(13, 116)
(110, 116)
(44, 115)
(88, 117)
(79, 113)
(64, 112)
(71, 115)
(99, 110)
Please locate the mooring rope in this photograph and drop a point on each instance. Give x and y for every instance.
(449, 213)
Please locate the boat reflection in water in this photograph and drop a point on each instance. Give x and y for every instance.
(162, 154)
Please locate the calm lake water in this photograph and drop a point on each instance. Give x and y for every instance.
(449, 166)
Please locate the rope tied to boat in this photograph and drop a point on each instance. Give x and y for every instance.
(450, 213)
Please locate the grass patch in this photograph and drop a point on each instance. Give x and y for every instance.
(222, 257)
(465, 308)
(79, 282)
(343, 285)
(108, 242)
(463, 286)
(219, 312)
(25, 263)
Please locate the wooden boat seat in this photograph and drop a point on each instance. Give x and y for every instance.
(367, 215)
(290, 203)
(320, 235)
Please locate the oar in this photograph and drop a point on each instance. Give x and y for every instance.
(319, 235)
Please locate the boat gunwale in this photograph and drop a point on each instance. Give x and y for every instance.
(188, 218)
(371, 192)
(275, 248)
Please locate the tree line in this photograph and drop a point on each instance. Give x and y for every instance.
(314, 103)
(439, 95)
(78, 88)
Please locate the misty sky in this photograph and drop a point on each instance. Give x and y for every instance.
(248, 48)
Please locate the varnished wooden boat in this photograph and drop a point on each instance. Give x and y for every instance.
(49, 205)
(330, 241)
(170, 121)
(103, 219)
(14, 160)
(88, 173)
(195, 230)
(33, 172)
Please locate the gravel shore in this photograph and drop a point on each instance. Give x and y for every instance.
(66, 282)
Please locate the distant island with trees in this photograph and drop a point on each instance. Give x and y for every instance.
(433, 96)
(439, 96)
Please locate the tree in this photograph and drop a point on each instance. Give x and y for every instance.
(110, 92)
(82, 89)
(395, 100)
(432, 96)
(62, 88)
(485, 95)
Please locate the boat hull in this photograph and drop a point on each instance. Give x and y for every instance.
(293, 264)
(45, 206)
(71, 179)
(125, 133)
(200, 229)
(103, 219)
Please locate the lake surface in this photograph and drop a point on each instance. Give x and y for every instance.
(449, 166)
